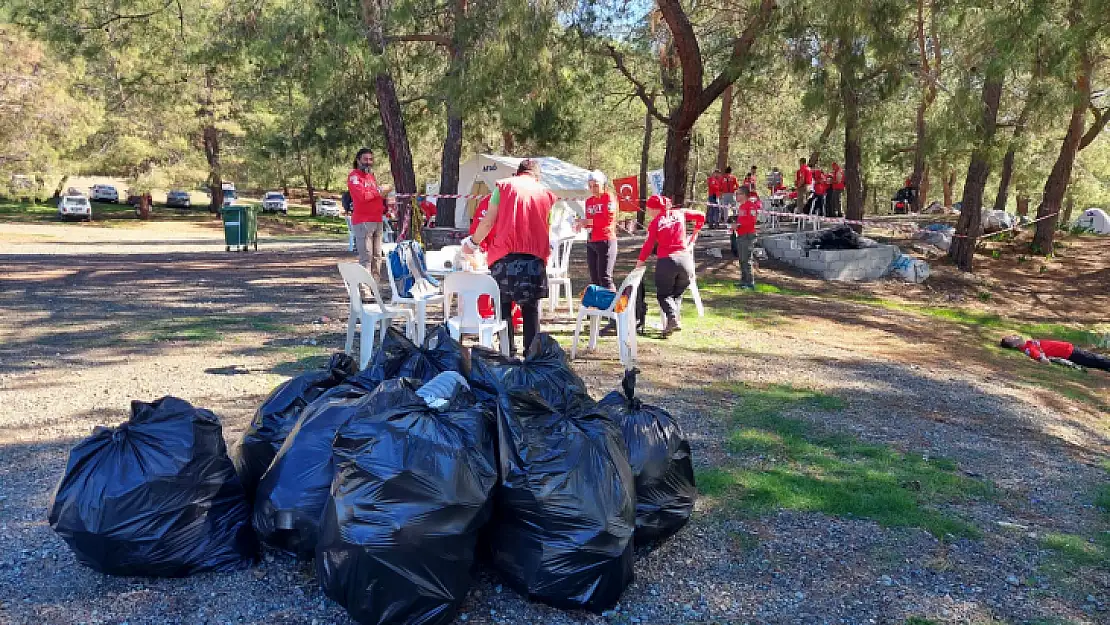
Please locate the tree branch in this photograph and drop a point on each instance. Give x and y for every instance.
(439, 40)
(641, 90)
(740, 49)
(1102, 116)
(118, 17)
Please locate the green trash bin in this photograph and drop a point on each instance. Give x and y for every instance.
(240, 227)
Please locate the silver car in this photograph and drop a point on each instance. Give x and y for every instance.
(74, 206)
(178, 199)
(274, 202)
(326, 207)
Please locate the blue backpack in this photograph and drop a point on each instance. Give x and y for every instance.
(597, 297)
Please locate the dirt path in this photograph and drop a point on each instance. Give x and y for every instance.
(83, 334)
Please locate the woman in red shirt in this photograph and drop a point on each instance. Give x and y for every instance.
(674, 268)
(601, 221)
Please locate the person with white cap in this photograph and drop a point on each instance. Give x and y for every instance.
(601, 249)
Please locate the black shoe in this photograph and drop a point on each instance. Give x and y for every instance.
(609, 330)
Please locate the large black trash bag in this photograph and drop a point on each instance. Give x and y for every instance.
(544, 369)
(565, 510)
(661, 463)
(156, 496)
(292, 493)
(277, 415)
(412, 490)
(398, 357)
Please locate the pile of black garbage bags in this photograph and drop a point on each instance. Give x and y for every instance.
(397, 479)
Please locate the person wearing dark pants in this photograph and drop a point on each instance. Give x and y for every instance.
(836, 188)
(601, 249)
(1060, 352)
(675, 268)
(746, 217)
(519, 217)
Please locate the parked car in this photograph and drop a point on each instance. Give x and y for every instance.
(105, 193)
(76, 206)
(275, 202)
(178, 199)
(326, 207)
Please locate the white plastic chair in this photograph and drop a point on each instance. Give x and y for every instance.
(418, 305)
(467, 289)
(625, 320)
(558, 275)
(375, 318)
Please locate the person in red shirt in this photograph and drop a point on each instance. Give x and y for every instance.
(816, 204)
(428, 207)
(601, 221)
(367, 209)
(836, 187)
(803, 180)
(674, 268)
(746, 216)
(714, 184)
(751, 181)
(1060, 352)
(519, 218)
(729, 185)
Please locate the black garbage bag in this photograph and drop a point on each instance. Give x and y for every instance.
(544, 369)
(412, 489)
(565, 510)
(838, 238)
(156, 496)
(293, 492)
(661, 463)
(276, 416)
(398, 357)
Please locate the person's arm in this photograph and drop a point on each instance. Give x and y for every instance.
(1065, 362)
(698, 219)
(649, 244)
(488, 220)
(364, 192)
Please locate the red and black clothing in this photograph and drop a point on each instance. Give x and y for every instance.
(601, 249)
(674, 268)
(1043, 349)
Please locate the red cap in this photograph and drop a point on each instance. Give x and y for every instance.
(659, 202)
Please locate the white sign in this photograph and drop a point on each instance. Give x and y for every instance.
(655, 180)
(432, 188)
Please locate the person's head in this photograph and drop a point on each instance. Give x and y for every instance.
(658, 204)
(364, 159)
(753, 169)
(529, 166)
(802, 161)
(595, 180)
(742, 193)
(1012, 342)
(728, 170)
(775, 169)
(835, 165)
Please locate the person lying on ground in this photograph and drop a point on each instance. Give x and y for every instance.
(1059, 352)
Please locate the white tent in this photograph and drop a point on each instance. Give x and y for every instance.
(481, 172)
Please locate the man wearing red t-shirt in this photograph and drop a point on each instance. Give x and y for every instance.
(746, 216)
(820, 188)
(368, 207)
(803, 180)
(729, 185)
(428, 207)
(836, 187)
(1057, 351)
(714, 185)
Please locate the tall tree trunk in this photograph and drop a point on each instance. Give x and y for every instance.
(1056, 185)
(508, 142)
(676, 161)
(211, 137)
(923, 191)
(918, 174)
(1069, 206)
(962, 250)
(723, 129)
(282, 178)
(1022, 204)
(853, 153)
(449, 168)
(645, 152)
(309, 183)
(1007, 173)
(826, 132)
(949, 184)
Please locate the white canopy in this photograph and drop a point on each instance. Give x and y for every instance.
(480, 173)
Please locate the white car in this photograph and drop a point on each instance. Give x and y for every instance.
(275, 202)
(105, 193)
(328, 208)
(76, 206)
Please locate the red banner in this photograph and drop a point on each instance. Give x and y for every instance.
(628, 191)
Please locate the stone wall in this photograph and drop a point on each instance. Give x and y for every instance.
(867, 263)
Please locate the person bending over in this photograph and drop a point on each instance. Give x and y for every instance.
(1059, 352)
(674, 268)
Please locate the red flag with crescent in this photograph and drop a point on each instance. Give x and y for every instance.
(628, 192)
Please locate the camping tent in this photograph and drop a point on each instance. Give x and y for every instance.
(478, 175)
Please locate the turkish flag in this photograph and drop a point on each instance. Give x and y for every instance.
(628, 191)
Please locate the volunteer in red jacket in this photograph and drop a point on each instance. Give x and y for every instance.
(601, 221)
(746, 216)
(803, 180)
(368, 207)
(820, 188)
(428, 207)
(519, 217)
(1044, 350)
(674, 268)
(714, 184)
(836, 187)
(729, 185)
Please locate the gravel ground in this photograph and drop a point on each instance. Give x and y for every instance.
(73, 354)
